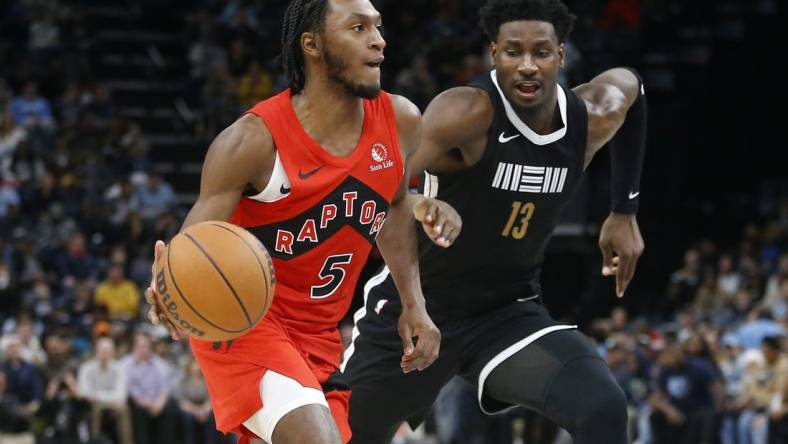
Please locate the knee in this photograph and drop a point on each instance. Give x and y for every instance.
(592, 406)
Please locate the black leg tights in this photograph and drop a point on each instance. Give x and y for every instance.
(562, 377)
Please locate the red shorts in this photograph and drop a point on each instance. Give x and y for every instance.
(233, 373)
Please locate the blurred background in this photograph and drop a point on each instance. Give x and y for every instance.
(106, 111)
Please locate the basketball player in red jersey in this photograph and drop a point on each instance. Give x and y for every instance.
(314, 172)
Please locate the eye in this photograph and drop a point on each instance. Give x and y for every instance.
(544, 53)
(358, 28)
(511, 52)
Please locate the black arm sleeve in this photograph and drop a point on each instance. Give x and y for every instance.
(627, 150)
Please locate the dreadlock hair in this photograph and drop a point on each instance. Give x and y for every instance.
(300, 16)
(497, 12)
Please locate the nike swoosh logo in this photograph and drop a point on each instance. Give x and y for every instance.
(284, 190)
(633, 195)
(305, 176)
(503, 139)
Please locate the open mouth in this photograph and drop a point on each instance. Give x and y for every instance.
(528, 88)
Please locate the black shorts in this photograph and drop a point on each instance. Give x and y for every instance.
(383, 396)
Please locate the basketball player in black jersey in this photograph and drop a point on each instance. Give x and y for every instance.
(508, 152)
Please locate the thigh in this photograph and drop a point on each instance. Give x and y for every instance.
(518, 340)
(233, 372)
(525, 378)
(382, 396)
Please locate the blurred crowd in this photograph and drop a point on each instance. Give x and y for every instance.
(80, 210)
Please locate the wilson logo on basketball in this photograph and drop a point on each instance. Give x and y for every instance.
(380, 154)
(172, 307)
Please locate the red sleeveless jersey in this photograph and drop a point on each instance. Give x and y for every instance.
(327, 212)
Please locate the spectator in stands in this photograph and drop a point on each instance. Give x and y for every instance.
(103, 383)
(417, 82)
(773, 291)
(155, 197)
(31, 110)
(151, 407)
(685, 281)
(76, 263)
(729, 279)
(732, 370)
(777, 302)
(195, 406)
(255, 85)
(11, 136)
(760, 325)
(778, 417)
(684, 402)
(14, 418)
(22, 379)
(120, 295)
(9, 196)
(762, 385)
(60, 407)
(30, 349)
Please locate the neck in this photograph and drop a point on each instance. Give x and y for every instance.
(544, 119)
(330, 115)
(324, 107)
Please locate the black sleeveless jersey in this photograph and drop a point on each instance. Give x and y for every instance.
(510, 203)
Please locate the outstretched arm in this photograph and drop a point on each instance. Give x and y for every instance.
(616, 104)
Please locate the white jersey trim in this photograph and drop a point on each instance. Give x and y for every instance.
(280, 395)
(537, 139)
(279, 182)
(374, 281)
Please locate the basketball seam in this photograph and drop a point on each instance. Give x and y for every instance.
(265, 275)
(186, 300)
(219, 270)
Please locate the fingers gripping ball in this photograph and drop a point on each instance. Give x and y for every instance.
(215, 281)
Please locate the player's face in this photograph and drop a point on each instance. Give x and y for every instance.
(527, 57)
(353, 49)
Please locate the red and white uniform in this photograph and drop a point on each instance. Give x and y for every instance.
(318, 218)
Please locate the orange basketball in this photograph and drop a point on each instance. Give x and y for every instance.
(215, 280)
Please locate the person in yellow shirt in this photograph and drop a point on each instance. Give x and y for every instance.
(119, 295)
(255, 85)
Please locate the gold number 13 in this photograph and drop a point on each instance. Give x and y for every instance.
(526, 211)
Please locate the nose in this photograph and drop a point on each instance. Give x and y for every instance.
(377, 42)
(527, 66)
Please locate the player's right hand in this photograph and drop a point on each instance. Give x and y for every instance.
(440, 220)
(155, 313)
(414, 322)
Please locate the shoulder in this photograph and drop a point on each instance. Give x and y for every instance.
(407, 112)
(464, 104)
(458, 115)
(408, 122)
(247, 132)
(609, 95)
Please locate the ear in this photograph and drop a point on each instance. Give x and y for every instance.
(311, 44)
(493, 53)
(561, 55)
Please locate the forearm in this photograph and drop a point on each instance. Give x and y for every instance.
(627, 153)
(397, 243)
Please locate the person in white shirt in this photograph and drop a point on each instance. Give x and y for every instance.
(102, 381)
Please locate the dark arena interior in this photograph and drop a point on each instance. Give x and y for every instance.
(107, 109)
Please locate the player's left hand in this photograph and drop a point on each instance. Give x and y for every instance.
(620, 236)
(414, 322)
(440, 220)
